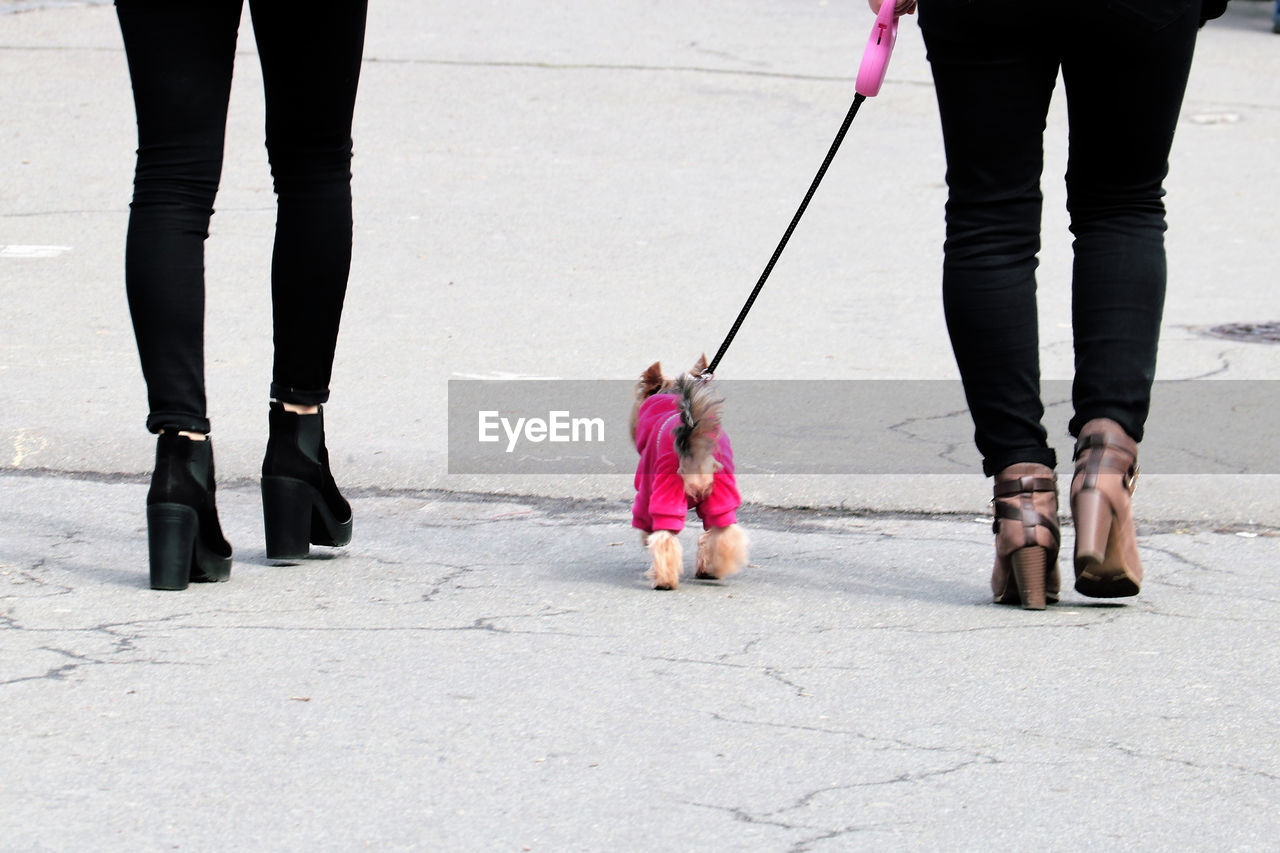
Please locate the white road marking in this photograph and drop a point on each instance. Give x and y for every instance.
(33, 251)
(27, 444)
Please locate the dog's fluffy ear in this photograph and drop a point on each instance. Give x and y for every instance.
(651, 381)
(700, 366)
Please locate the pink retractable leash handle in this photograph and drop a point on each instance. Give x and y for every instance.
(875, 62)
(875, 58)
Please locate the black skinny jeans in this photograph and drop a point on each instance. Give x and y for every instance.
(180, 56)
(995, 63)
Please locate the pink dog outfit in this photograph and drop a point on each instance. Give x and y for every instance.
(661, 503)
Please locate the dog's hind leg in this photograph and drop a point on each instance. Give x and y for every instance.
(665, 569)
(722, 551)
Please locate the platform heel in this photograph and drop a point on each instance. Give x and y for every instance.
(184, 538)
(301, 503)
(286, 515)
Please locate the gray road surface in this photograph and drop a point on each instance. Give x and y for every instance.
(484, 668)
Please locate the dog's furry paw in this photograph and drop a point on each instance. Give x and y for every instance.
(722, 551)
(665, 569)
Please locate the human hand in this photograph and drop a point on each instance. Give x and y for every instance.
(904, 7)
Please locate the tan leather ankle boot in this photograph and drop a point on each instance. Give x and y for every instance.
(1106, 555)
(1026, 526)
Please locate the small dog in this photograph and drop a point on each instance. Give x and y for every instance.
(685, 462)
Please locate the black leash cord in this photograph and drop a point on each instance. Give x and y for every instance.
(782, 244)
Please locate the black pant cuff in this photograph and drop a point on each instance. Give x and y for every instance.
(299, 396)
(1132, 424)
(177, 422)
(993, 465)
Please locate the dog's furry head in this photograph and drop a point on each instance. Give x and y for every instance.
(699, 430)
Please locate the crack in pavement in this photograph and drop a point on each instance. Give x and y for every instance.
(79, 661)
(775, 817)
(606, 512)
(457, 572)
(770, 671)
(1076, 745)
(29, 575)
(807, 844)
(883, 743)
(611, 66)
(533, 65)
(483, 623)
(124, 641)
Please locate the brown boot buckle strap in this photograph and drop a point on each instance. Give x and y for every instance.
(1009, 488)
(1105, 441)
(1091, 468)
(1029, 518)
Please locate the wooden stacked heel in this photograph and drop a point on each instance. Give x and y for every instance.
(1025, 503)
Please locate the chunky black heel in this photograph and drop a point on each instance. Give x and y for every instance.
(296, 517)
(171, 542)
(301, 504)
(184, 539)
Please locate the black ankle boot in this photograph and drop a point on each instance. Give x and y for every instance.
(184, 538)
(301, 504)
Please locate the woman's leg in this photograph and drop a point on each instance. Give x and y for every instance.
(311, 68)
(180, 60)
(1124, 85)
(994, 79)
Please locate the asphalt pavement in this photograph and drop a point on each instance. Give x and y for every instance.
(570, 193)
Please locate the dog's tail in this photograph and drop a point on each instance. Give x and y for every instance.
(699, 431)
